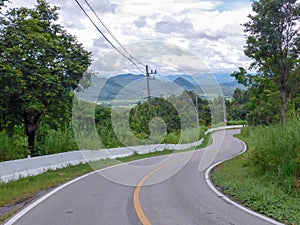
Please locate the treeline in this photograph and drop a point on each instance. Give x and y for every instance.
(179, 113)
(172, 119)
(167, 109)
(261, 104)
(182, 119)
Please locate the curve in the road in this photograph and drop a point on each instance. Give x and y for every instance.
(226, 198)
(136, 196)
(184, 198)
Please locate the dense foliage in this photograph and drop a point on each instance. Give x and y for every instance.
(237, 108)
(281, 154)
(273, 43)
(62, 139)
(40, 66)
(140, 117)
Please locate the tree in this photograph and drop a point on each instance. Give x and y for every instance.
(40, 67)
(237, 108)
(274, 44)
(203, 108)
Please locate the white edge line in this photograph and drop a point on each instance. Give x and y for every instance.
(225, 198)
(24, 211)
(16, 217)
(34, 171)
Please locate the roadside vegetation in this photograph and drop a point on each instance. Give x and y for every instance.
(24, 190)
(52, 139)
(37, 95)
(267, 177)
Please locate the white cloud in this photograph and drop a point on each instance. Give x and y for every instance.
(170, 25)
(140, 22)
(208, 28)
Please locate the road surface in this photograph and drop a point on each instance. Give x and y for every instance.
(145, 192)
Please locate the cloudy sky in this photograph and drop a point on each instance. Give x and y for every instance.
(210, 29)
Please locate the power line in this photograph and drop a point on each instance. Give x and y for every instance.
(106, 28)
(98, 29)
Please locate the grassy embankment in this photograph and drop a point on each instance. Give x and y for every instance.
(14, 146)
(267, 177)
(24, 189)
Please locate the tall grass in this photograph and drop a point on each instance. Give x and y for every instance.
(56, 141)
(13, 146)
(51, 141)
(276, 150)
(266, 178)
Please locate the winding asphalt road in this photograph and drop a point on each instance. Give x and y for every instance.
(166, 190)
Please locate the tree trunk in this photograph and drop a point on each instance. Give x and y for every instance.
(31, 127)
(30, 132)
(284, 106)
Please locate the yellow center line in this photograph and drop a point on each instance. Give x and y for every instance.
(136, 196)
(227, 143)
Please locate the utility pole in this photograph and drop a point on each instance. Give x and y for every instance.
(148, 85)
(197, 113)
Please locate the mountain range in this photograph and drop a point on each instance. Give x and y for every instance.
(112, 86)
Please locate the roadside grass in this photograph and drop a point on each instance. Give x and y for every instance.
(13, 146)
(236, 122)
(8, 215)
(25, 189)
(263, 191)
(49, 141)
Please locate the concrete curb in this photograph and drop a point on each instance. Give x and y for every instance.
(227, 199)
(16, 169)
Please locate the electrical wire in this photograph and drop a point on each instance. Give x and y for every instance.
(106, 28)
(104, 36)
(137, 64)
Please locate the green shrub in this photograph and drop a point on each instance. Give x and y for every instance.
(13, 146)
(56, 141)
(276, 149)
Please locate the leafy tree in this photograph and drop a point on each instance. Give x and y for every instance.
(166, 109)
(105, 128)
(204, 112)
(274, 44)
(40, 67)
(264, 104)
(140, 116)
(237, 108)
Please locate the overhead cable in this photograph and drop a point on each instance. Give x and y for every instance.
(106, 28)
(104, 36)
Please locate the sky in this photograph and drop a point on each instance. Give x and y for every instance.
(209, 29)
